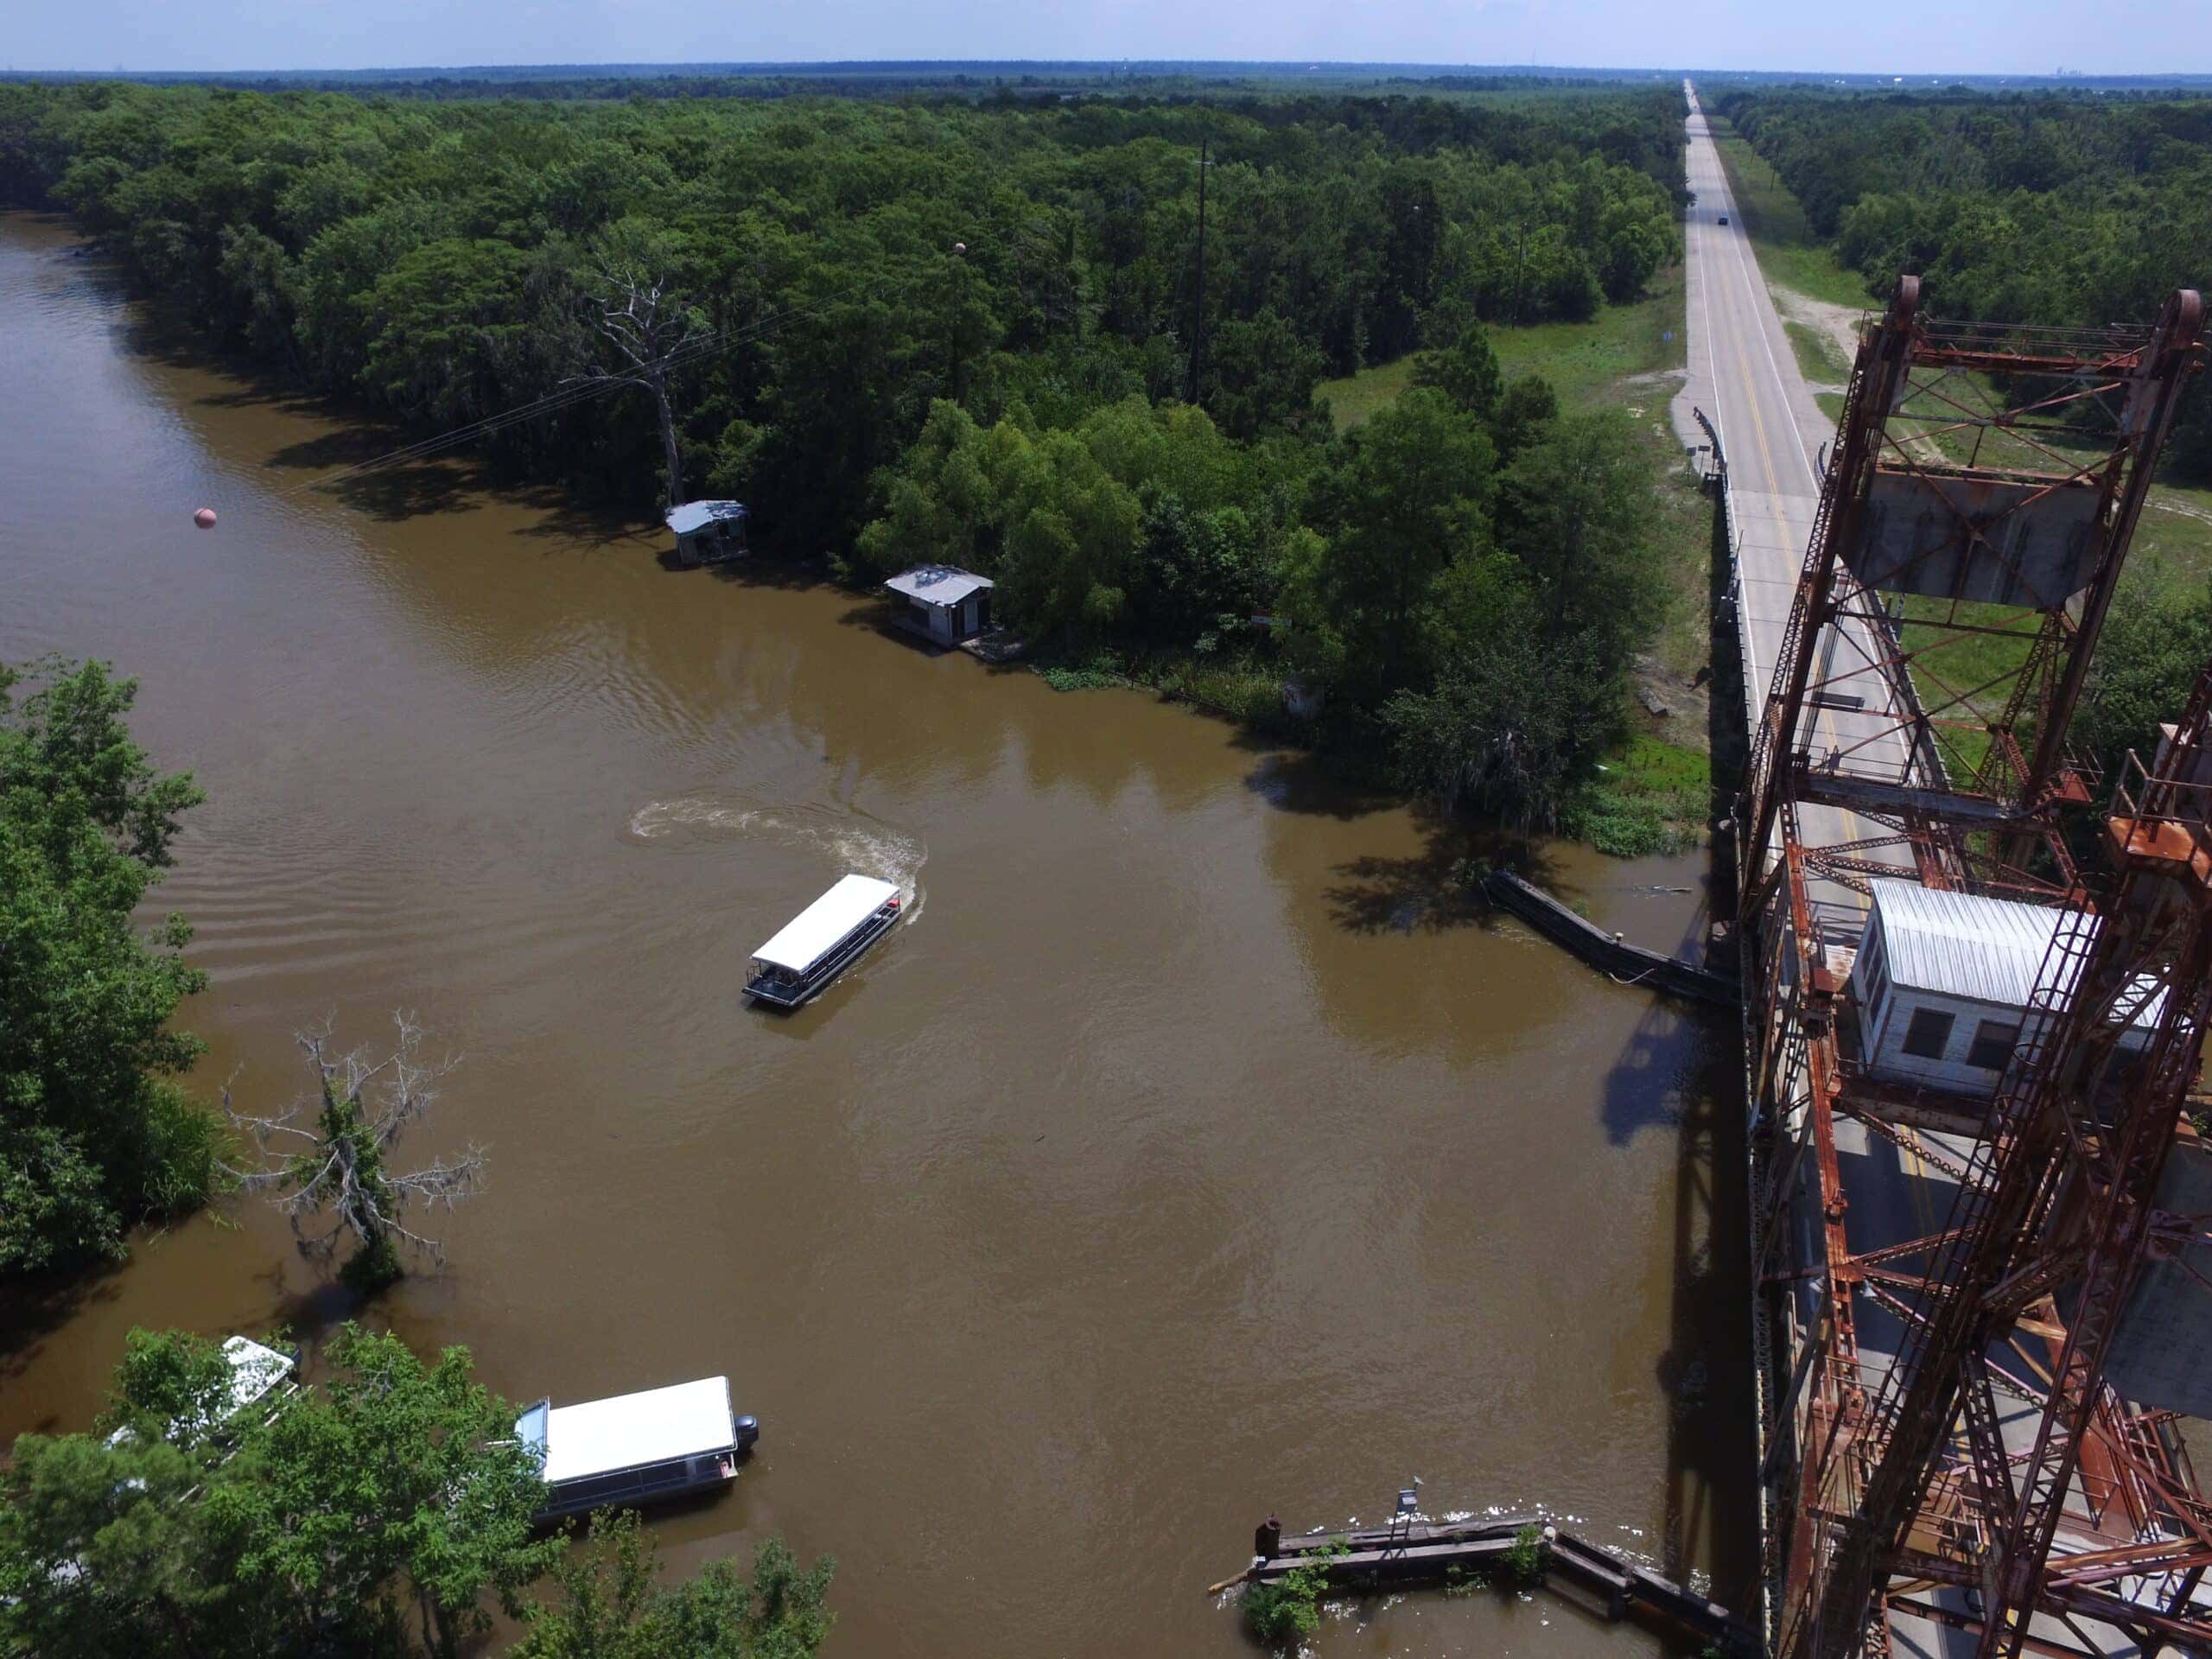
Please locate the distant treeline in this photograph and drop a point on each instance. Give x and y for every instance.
(967, 331)
(1129, 85)
(1144, 72)
(2034, 208)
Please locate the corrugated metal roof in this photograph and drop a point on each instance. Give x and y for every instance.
(697, 515)
(936, 584)
(1963, 944)
(1982, 950)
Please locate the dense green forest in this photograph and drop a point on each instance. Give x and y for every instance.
(2053, 210)
(968, 328)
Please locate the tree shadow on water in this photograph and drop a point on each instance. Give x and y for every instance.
(308, 1317)
(389, 493)
(1438, 888)
(591, 526)
(1300, 781)
(396, 493)
(31, 1312)
(790, 575)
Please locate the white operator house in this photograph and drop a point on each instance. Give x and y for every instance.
(1942, 983)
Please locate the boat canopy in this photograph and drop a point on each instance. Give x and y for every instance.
(631, 1430)
(816, 931)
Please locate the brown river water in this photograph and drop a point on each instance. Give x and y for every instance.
(1185, 1156)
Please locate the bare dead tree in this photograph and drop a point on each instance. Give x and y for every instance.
(324, 1156)
(647, 327)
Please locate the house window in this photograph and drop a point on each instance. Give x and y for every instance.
(1929, 1034)
(1875, 978)
(1992, 1045)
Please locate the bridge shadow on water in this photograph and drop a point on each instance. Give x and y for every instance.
(1682, 1074)
(1682, 1070)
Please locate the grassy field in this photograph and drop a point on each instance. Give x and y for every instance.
(1652, 797)
(1819, 358)
(1790, 255)
(1588, 362)
(2173, 540)
(1585, 362)
(1355, 396)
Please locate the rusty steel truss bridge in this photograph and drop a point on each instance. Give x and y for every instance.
(1980, 1319)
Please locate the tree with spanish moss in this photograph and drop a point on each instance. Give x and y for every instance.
(325, 1157)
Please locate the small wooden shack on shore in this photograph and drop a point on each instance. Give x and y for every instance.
(943, 603)
(708, 532)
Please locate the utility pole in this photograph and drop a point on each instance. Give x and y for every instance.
(1520, 270)
(1199, 293)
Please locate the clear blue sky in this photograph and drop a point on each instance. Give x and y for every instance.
(1852, 37)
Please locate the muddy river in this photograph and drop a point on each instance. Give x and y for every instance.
(1188, 1154)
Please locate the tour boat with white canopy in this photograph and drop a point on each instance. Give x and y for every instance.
(636, 1448)
(822, 940)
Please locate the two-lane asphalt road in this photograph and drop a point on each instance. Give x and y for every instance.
(1745, 376)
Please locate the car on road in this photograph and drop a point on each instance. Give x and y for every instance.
(1724, 218)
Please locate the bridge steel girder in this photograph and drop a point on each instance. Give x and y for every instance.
(1893, 1465)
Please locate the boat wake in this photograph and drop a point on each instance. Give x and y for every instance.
(841, 835)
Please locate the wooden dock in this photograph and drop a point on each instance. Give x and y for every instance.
(1428, 1552)
(1630, 963)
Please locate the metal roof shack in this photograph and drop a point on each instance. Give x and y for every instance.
(944, 603)
(708, 530)
(1965, 945)
(1942, 980)
(257, 1371)
(825, 923)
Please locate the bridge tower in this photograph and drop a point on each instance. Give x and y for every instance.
(1924, 1462)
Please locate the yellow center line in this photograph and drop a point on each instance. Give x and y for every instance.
(1823, 726)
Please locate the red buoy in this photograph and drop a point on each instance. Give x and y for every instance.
(205, 518)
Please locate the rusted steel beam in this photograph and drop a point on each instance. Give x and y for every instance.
(1866, 1097)
(1870, 796)
(2160, 1555)
(2173, 354)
